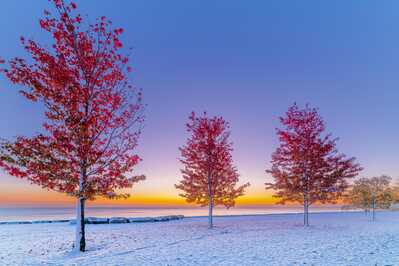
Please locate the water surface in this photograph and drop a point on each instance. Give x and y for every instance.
(55, 213)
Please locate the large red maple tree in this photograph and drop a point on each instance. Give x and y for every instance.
(209, 176)
(93, 114)
(307, 166)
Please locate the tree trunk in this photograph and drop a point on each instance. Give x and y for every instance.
(210, 203)
(373, 208)
(210, 218)
(306, 211)
(306, 203)
(80, 242)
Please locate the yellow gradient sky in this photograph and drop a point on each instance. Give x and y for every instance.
(17, 192)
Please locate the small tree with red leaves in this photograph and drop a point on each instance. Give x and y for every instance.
(209, 177)
(93, 114)
(307, 167)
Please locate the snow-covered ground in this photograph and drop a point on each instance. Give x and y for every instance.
(332, 239)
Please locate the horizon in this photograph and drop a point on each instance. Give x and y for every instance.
(261, 60)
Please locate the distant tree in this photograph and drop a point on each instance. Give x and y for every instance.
(360, 195)
(372, 193)
(306, 166)
(93, 114)
(209, 177)
(395, 191)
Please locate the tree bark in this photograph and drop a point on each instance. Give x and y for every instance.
(210, 218)
(306, 211)
(210, 203)
(80, 243)
(306, 203)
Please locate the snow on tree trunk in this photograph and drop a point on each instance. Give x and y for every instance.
(80, 242)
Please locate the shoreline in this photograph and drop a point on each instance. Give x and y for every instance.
(156, 219)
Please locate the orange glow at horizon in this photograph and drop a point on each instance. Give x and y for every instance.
(37, 198)
(24, 194)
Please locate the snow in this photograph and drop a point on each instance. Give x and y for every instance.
(347, 238)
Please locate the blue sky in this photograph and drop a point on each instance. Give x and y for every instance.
(244, 60)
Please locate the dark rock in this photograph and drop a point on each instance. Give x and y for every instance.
(142, 220)
(96, 220)
(118, 220)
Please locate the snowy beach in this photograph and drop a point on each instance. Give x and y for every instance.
(346, 238)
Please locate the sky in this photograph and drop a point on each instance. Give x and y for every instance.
(247, 61)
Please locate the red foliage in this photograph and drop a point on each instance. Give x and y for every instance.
(307, 166)
(93, 114)
(209, 176)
